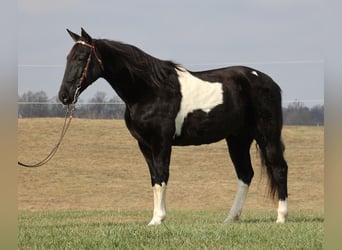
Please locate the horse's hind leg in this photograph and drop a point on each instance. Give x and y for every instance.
(239, 153)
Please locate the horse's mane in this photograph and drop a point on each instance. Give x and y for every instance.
(140, 65)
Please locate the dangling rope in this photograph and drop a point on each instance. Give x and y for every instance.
(68, 117)
(69, 112)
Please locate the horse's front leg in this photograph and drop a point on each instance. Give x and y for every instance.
(158, 160)
(159, 210)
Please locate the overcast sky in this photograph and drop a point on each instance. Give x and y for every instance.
(283, 38)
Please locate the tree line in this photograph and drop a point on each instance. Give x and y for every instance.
(38, 104)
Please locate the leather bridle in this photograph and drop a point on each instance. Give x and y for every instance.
(86, 68)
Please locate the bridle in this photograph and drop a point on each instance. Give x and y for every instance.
(71, 109)
(86, 68)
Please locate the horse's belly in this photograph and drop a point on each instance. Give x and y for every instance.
(200, 127)
(195, 140)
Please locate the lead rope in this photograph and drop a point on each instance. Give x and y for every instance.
(69, 114)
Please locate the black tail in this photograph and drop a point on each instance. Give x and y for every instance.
(266, 102)
(273, 181)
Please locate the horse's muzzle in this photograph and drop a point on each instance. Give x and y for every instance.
(65, 98)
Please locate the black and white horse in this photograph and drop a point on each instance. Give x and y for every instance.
(167, 105)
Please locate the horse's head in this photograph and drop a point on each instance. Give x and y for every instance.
(83, 67)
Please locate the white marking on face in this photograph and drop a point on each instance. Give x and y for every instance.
(282, 211)
(255, 73)
(159, 211)
(240, 197)
(196, 94)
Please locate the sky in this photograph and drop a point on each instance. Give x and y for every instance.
(283, 38)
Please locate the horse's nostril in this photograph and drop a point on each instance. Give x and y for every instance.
(63, 98)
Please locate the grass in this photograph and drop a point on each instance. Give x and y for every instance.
(96, 194)
(184, 230)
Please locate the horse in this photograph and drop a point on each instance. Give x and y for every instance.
(168, 105)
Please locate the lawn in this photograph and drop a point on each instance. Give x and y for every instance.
(185, 230)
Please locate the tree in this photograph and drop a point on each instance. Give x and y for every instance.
(317, 115)
(96, 108)
(298, 114)
(56, 108)
(33, 104)
(99, 97)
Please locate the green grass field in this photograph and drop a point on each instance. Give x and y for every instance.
(186, 230)
(96, 194)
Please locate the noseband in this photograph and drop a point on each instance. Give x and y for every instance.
(86, 68)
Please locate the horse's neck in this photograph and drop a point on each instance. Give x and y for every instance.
(131, 83)
(128, 87)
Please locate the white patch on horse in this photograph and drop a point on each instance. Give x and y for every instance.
(159, 211)
(196, 94)
(240, 197)
(282, 211)
(255, 73)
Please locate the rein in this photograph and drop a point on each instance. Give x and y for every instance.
(68, 117)
(70, 112)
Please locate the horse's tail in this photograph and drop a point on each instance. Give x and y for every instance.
(266, 102)
(268, 168)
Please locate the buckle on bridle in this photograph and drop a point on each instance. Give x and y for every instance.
(93, 49)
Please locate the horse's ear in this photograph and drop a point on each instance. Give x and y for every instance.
(73, 35)
(86, 36)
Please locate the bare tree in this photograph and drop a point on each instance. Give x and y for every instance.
(35, 104)
(298, 114)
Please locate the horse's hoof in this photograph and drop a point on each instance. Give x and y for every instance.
(154, 223)
(231, 219)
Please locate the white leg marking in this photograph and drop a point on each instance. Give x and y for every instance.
(240, 197)
(282, 211)
(196, 94)
(255, 73)
(159, 211)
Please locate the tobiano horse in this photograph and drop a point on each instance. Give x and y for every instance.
(168, 105)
